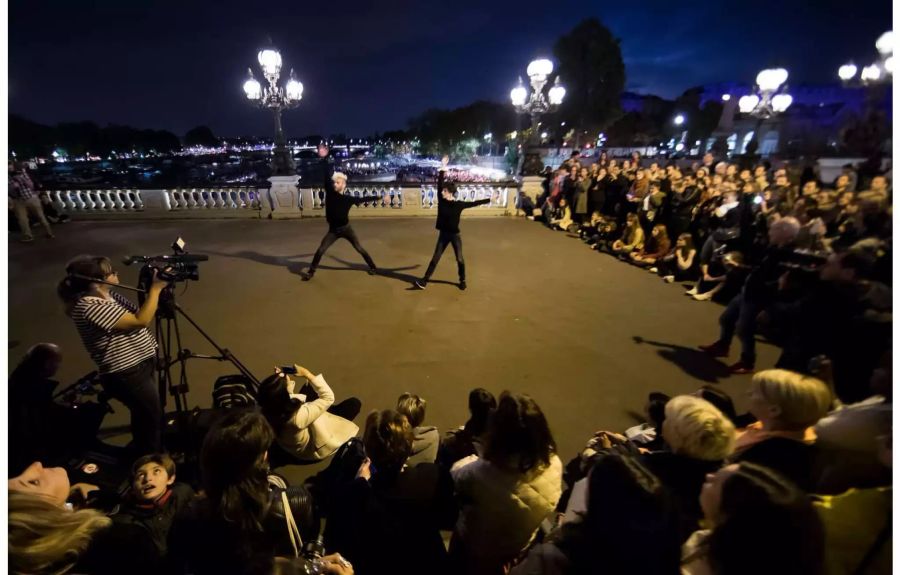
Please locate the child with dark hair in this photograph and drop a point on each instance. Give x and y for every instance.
(155, 499)
(425, 439)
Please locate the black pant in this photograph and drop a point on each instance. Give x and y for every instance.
(445, 238)
(332, 236)
(136, 387)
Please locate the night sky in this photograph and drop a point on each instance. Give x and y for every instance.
(370, 66)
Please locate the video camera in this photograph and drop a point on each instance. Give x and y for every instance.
(803, 260)
(178, 267)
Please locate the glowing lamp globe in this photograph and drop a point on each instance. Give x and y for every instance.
(747, 103)
(540, 69)
(781, 102)
(270, 61)
(726, 97)
(556, 94)
(252, 89)
(871, 73)
(847, 72)
(518, 95)
(885, 43)
(679, 120)
(293, 90)
(889, 65)
(770, 80)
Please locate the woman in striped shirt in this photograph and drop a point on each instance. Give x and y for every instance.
(115, 333)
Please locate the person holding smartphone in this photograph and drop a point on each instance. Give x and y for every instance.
(448, 214)
(304, 427)
(116, 335)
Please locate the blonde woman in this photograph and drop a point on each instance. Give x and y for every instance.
(786, 405)
(45, 534)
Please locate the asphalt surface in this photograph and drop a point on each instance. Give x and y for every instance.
(586, 335)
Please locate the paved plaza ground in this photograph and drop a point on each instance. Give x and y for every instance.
(584, 334)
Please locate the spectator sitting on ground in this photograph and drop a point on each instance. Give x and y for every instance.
(655, 248)
(469, 438)
(588, 229)
(562, 221)
(632, 237)
(154, 501)
(505, 494)
(725, 286)
(241, 524)
(680, 264)
(628, 527)
(45, 535)
(760, 523)
(388, 520)
(425, 439)
(305, 429)
(786, 405)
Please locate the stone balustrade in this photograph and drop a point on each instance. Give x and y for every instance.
(286, 200)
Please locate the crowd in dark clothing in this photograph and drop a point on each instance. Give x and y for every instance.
(800, 484)
(806, 265)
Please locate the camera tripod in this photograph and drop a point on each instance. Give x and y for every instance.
(168, 336)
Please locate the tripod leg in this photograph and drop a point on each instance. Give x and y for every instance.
(180, 392)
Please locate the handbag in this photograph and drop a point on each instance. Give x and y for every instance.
(292, 529)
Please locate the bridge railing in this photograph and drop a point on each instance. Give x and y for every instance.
(389, 199)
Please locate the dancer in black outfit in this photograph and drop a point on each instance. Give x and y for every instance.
(449, 211)
(337, 208)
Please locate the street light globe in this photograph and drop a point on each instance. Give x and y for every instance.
(889, 65)
(488, 136)
(726, 97)
(519, 94)
(294, 90)
(556, 93)
(847, 72)
(885, 43)
(270, 61)
(871, 73)
(782, 102)
(543, 135)
(679, 120)
(252, 89)
(540, 68)
(770, 80)
(747, 103)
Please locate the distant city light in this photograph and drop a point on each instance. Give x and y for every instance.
(679, 119)
(543, 135)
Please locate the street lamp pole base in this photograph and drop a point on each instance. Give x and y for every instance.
(282, 162)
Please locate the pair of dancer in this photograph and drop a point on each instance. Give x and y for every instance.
(337, 208)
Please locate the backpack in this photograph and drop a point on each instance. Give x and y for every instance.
(233, 391)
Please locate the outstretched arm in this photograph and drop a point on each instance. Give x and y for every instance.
(327, 169)
(467, 205)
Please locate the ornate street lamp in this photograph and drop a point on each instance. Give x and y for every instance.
(770, 97)
(277, 99)
(537, 103)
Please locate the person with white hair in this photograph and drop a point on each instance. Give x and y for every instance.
(337, 210)
(757, 294)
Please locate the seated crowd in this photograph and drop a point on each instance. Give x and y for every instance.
(800, 484)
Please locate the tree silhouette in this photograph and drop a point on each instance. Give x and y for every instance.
(200, 136)
(592, 70)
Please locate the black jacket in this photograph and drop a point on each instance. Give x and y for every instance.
(156, 520)
(449, 211)
(391, 524)
(337, 206)
(201, 542)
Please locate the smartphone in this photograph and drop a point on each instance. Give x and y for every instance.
(289, 370)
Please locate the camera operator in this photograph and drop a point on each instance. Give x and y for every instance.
(115, 333)
(758, 293)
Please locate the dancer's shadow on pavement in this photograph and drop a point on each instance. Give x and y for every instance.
(693, 362)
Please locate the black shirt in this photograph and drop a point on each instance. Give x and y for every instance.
(337, 206)
(449, 211)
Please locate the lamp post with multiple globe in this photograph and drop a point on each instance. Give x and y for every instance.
(769, 99)
(537, 102)
(879, 71)
(277, 99)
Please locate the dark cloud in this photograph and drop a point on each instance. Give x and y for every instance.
(371, 65)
